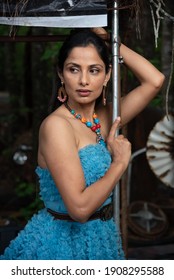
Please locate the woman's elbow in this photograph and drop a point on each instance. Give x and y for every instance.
(79, 215)
(159, 81)
(156, 85)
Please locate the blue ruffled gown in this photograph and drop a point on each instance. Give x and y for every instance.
(45, 238)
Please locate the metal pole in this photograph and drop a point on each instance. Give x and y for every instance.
(116, 94)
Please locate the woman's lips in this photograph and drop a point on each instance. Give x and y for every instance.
(84, 93)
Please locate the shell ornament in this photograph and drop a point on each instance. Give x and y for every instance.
(160, 150)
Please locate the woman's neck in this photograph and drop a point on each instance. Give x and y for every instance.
(85, 110)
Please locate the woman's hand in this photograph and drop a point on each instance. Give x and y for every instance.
(101, 32)
(119, 146)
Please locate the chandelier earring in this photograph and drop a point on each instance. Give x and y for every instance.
(62, 96)
(104, 95)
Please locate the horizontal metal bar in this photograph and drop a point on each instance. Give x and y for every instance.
(31, 38)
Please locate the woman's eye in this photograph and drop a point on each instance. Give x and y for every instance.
(94, 70)
(73, 70)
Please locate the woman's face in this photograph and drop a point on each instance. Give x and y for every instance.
(84, 75)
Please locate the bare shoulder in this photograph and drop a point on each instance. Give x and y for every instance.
(56, 124)
(56, 136)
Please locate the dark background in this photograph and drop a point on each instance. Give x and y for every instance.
(28, 78)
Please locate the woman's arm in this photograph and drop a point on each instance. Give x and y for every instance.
(58, 147)
(150, 78)
(151, 81)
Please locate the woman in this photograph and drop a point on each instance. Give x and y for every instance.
(79, 158)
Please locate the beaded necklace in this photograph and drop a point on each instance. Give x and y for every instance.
(94, 127)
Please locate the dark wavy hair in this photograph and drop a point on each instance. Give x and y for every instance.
(79, 38)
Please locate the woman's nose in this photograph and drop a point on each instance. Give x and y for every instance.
(84, 80)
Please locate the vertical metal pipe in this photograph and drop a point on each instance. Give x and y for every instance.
(116, 93)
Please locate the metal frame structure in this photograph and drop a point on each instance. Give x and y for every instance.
(116, 92)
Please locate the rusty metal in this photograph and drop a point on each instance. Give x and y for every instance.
(147, 219)
(160, 150)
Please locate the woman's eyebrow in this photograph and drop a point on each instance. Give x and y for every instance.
(77, 65)
(72, 63)
(96, 65)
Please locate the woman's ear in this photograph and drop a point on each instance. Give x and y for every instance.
(108, 75)
(60, 76)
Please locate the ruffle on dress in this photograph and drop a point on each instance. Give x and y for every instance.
(45, 238)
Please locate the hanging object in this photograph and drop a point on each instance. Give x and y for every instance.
(160, 150)
(54, 13)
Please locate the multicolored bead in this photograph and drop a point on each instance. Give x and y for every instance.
(95, 128)
(88, 124)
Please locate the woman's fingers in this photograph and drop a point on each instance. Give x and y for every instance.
(114, 128)
(118, 145)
